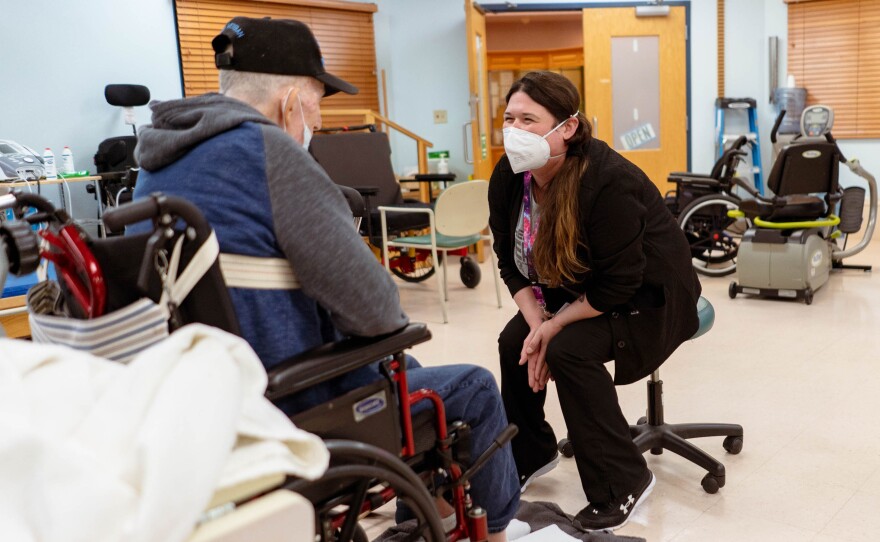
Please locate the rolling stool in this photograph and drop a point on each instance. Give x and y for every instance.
(652, 433)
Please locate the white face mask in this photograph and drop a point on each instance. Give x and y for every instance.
(307, 132)
(526, 150)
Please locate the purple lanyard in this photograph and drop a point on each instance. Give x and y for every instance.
(529, 240)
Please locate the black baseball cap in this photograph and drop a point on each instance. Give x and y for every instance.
(279, 46)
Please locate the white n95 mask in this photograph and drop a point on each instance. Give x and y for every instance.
(526, 150)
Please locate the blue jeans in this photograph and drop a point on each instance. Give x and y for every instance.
(469, 394)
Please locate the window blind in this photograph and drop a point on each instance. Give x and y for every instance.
(344, 31)
(834, 52)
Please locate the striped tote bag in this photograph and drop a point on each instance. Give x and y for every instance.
(123, 333)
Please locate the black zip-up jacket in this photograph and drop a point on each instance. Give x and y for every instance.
(640, 271)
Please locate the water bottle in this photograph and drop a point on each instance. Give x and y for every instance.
(443, 165)
(49, 164)
(67, 161)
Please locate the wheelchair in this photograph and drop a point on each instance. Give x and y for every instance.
(701, 204)
(379, 450)
(360, 157)
(114, 159)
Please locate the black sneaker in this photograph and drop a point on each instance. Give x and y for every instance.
(524, 480)
(615, 514)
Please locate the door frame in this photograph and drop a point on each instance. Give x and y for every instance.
(578, 6)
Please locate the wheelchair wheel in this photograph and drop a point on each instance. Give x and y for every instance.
(713, 236)
(416, 266)
(470, 272)
(358, 480)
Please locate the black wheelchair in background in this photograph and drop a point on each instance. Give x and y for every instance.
(379, 450)
(360, 157)
(114, 159)
(701, 204)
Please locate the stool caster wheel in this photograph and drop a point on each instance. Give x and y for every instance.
(470, 272)
(566, 448)
(731, 290)
(733, 444)
(712, 483)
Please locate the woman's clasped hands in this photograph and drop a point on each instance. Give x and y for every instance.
(534, 353)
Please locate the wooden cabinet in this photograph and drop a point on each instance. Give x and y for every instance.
(536, 60)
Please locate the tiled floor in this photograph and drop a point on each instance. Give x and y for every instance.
(803, 381)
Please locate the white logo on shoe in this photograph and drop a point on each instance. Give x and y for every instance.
(625, 506)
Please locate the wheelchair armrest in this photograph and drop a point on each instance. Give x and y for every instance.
(355, 201)
(694, 180)
(433, 177)
(328, 361)
(688, 174)
(367, 190)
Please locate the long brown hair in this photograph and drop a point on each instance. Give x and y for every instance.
(555, 250)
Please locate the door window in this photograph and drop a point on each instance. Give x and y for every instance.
(635, 92)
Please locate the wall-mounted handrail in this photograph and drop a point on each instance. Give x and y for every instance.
(371, 117)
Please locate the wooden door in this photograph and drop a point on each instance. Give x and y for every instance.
(476, 130)
(635, 86)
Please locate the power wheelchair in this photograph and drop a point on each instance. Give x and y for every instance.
(114, 159)
(378, 452)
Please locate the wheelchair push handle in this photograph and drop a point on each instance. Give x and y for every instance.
(739, 143)
(153, 208)
(131, 213)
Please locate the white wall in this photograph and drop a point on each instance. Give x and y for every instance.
(421, 45)
(58, 58)
(53, 96)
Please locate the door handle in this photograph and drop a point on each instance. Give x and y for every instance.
(595, 126)
(467, 148)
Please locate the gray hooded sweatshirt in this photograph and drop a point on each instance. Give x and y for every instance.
(265, 196)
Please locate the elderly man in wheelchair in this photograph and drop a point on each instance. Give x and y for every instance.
(299, 277)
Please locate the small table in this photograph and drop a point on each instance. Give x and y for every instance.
(425, 179)
(14, 317)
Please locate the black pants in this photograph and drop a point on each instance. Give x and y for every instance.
(608, 462)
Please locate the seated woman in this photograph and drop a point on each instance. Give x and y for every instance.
(600, 271)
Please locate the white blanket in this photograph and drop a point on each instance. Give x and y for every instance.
(92, 450)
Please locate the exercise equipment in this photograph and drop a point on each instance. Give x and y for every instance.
(800, 234)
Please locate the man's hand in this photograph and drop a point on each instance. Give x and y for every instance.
(534, 351)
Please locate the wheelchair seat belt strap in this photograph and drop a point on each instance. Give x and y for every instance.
(177, 286)
(257, 273)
